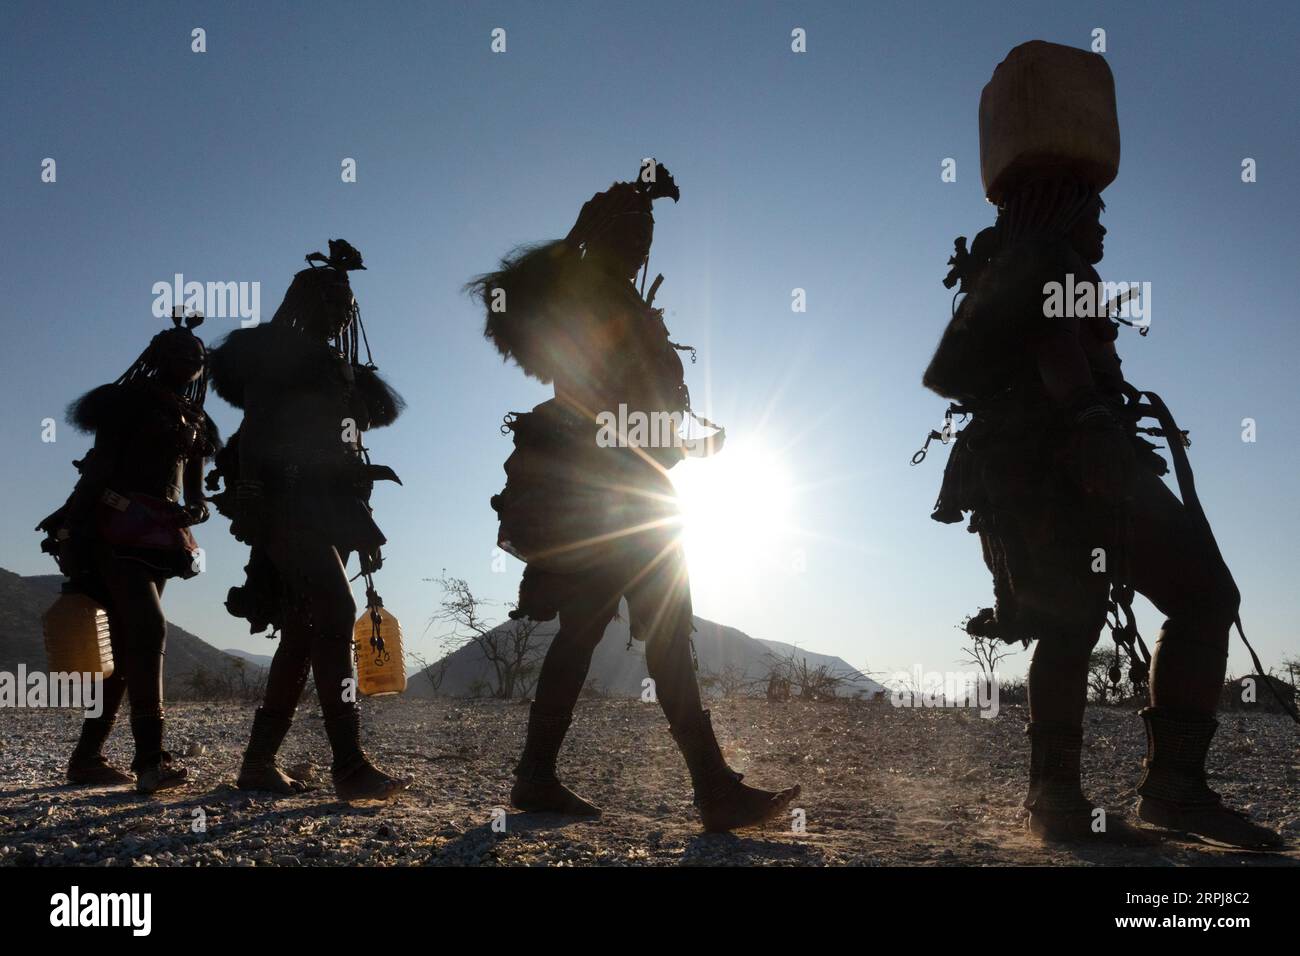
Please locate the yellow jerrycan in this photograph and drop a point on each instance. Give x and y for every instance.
(377, 642)
(76, 636)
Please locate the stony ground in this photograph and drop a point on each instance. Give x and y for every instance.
(881, 786)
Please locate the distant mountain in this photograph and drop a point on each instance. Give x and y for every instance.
(23, 600)
(21, 607)
(260, 660)
(617, 670)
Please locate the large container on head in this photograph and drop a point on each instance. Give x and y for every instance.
(1048, 109)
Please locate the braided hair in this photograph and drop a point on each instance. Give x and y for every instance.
(148, 364)
(1043, 212)
(307, 301)
(1044, 208)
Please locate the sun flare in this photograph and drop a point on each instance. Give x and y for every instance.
(736, 512)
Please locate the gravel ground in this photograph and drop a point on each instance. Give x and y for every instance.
(881, 786)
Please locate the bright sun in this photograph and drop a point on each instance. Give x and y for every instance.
(736, 511)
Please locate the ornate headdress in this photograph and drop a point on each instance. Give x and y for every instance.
(536, 300)
(342, 258)
(308, 294)
(623, 205)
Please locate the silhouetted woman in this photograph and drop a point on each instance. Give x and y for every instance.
(596, 522)
(300, 482)
(1056, 475)
(123, 533)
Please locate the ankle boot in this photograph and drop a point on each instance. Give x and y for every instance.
(1058, 809)
(537, 789)
(1055, 754)
(1173, 790)
(355, 777)
(259, 770)
(87, 765)
(723, 801)
(155, 769)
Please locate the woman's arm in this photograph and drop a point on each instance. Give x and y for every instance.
(195, 501)
(1099, 450)
(250, 503)
(96, 469)
(1063, 365)
(253, 433)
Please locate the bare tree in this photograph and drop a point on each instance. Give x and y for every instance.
(731, 681)
(509, 649)
(1099, 685)
(804, 680)
(986, 653)
(734, 681)
(1292, 665)
(778, 686)
(200, 684)
(238, 670)
(234, 680)
(433, 672)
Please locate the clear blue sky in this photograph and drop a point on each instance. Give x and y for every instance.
(818, 171)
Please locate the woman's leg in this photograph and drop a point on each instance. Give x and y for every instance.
(583, 620)
(290, 667)
(313, 573)
(659, 603)
(133, 591)
(285, 681)
(1058, 688)
(87, 765)
(1048, 556)
(1178, 569)
(585, 611)
(659, 600)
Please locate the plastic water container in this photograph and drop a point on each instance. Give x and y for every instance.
(76, 636)
(381, 670)
(1048, 108)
